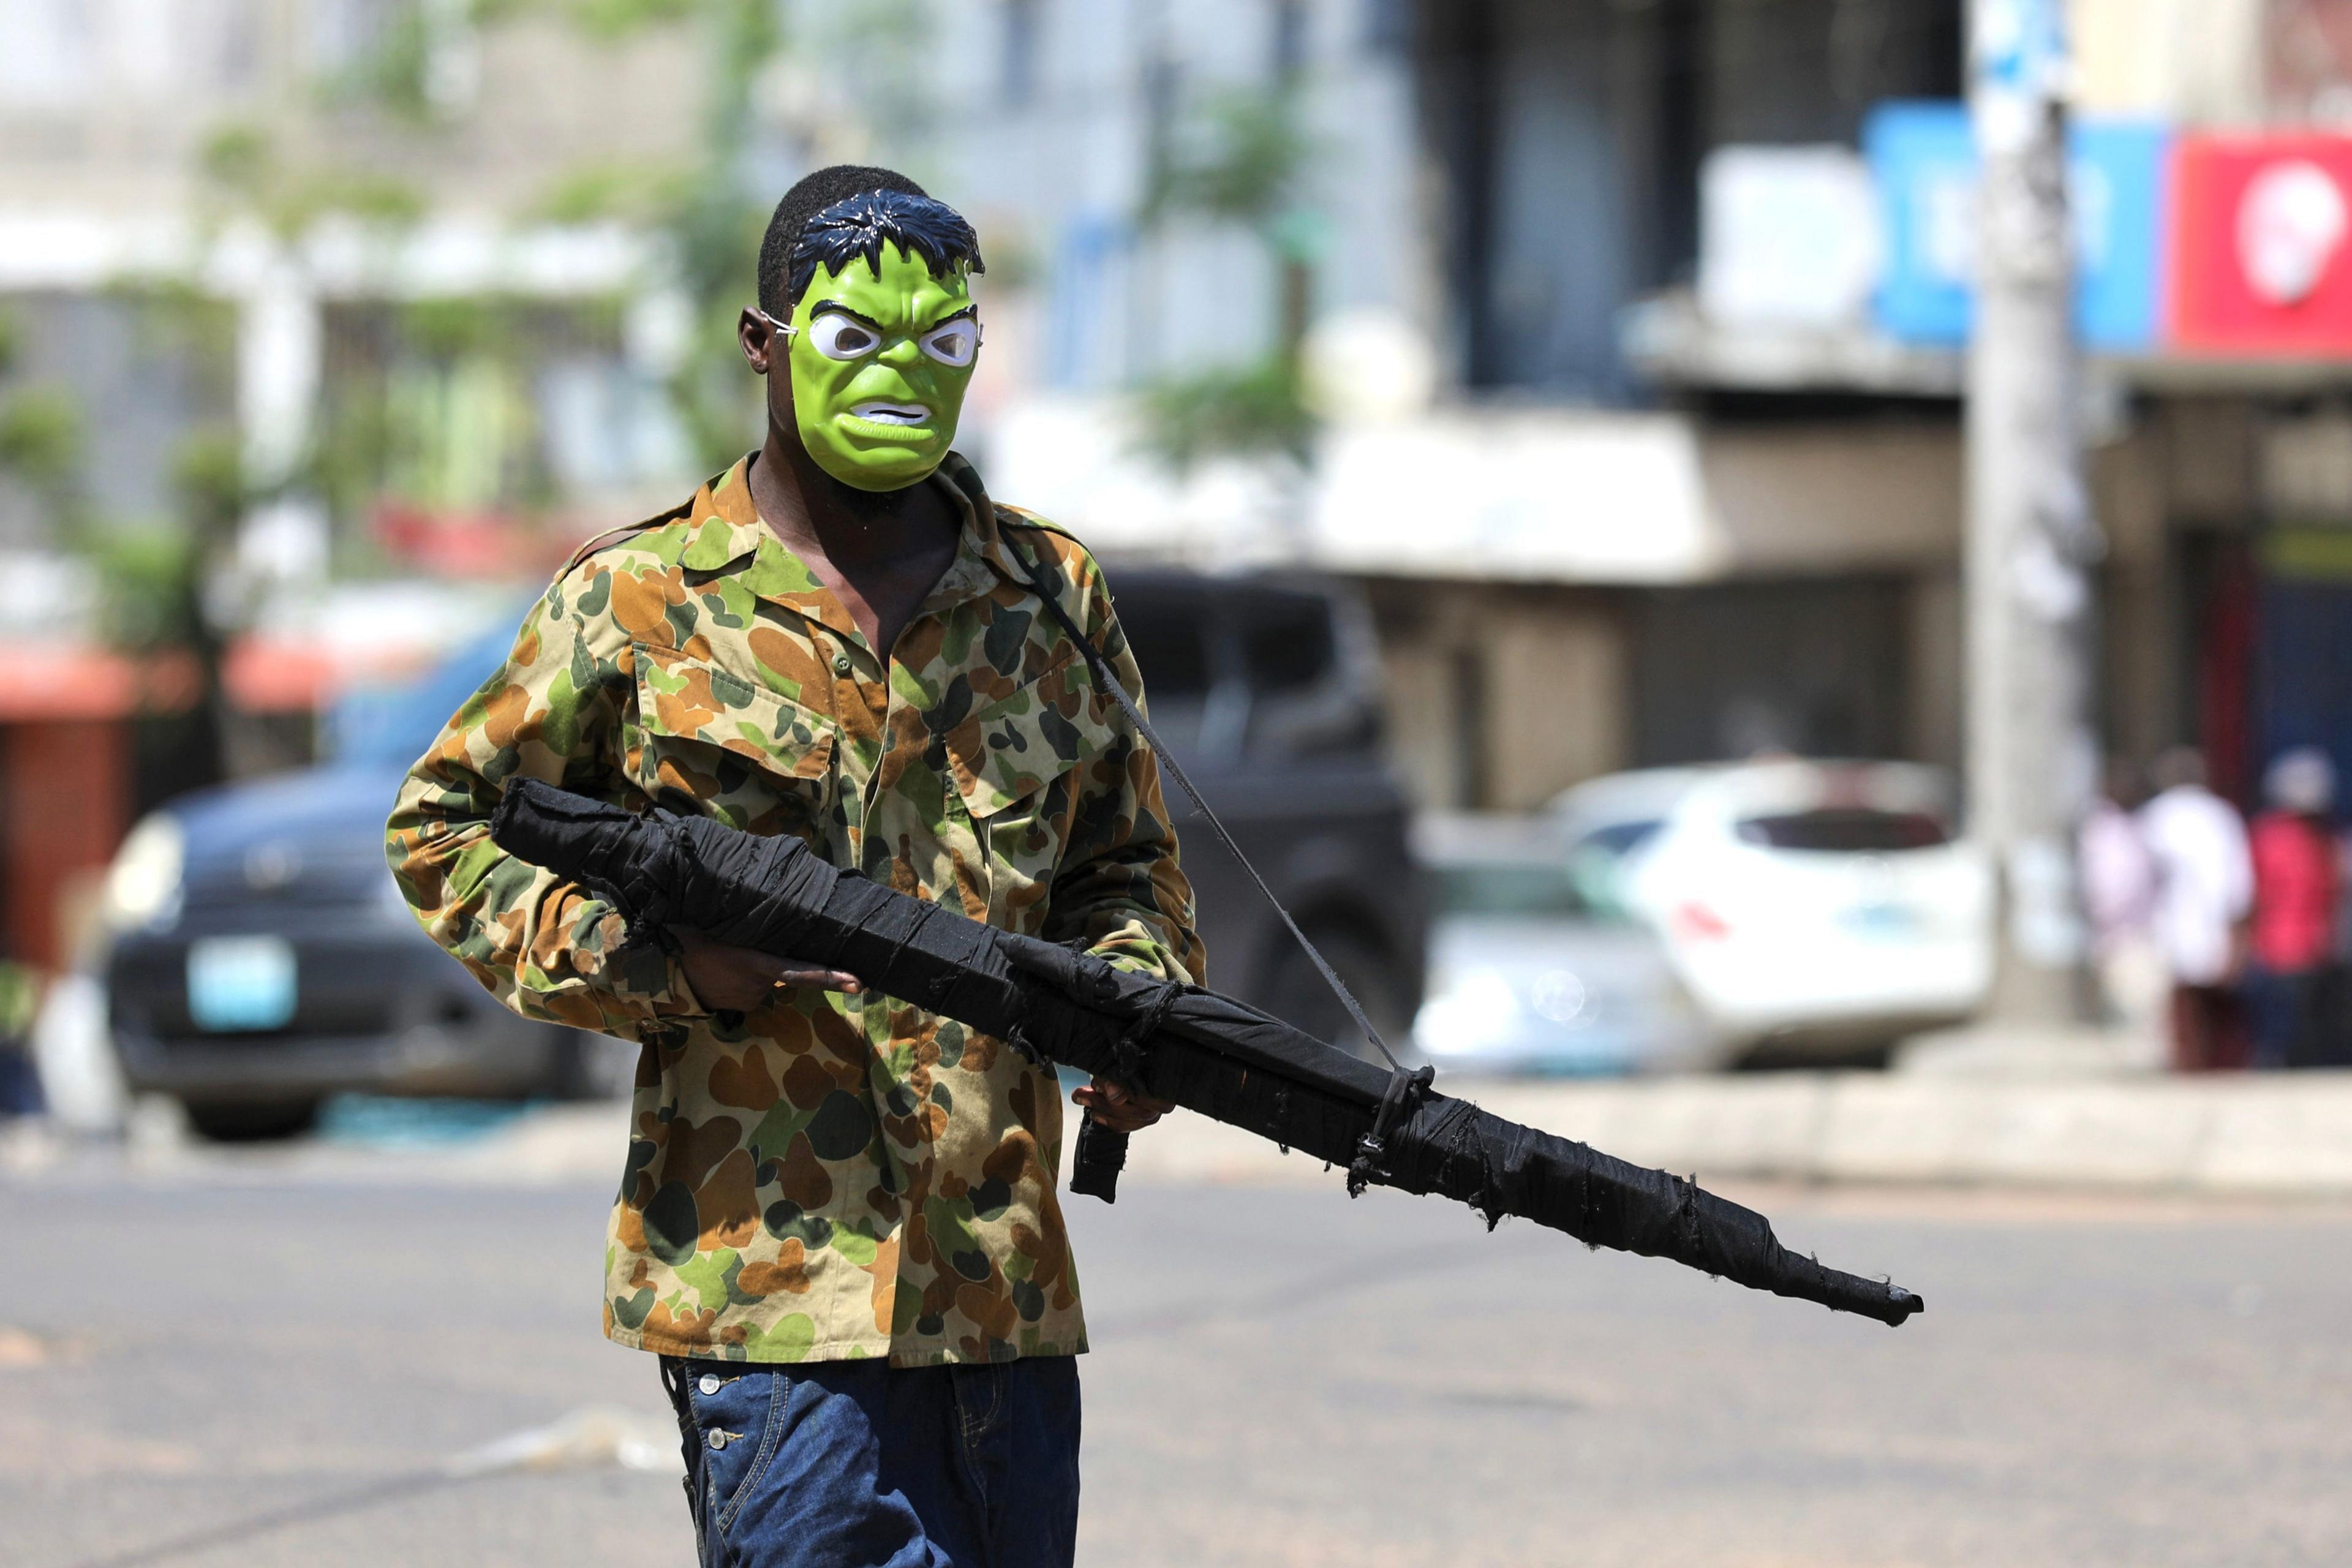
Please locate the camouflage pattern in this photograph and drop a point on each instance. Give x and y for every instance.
(829, 1177)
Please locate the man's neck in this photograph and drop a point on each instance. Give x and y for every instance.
(819, 516)
(879, 553)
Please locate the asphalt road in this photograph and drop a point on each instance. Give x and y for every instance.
(244, 1368)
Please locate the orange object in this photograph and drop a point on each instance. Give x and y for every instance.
(65, 793)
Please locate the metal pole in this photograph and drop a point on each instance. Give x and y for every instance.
(2031, 755)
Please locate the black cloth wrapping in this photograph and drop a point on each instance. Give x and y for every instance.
(1203, 1051)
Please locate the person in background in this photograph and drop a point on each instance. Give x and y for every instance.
(2119, 888)
(2296, 881)
(2204, 887)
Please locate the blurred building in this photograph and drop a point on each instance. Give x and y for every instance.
(1583, 559)
(2210, 175)
(1633, 334)
(284, 259)
(1642, 328)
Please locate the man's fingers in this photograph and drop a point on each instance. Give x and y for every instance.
(825, 979)
(1123, 1097)
(1118, 1107)
(799, 972)
(744, 977)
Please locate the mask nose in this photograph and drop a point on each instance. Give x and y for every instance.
(900, 354)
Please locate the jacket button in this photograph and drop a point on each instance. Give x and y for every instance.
(719, 1439)
(841, 665)
(709, 1382)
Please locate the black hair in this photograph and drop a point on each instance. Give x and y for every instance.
(850, 210)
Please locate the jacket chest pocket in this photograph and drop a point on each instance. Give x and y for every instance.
(1022, 766)
(762, 761)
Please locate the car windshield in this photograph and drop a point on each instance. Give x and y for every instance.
(1167, 628)
(1287, 642)
(390, 726)
(1848, 830)
(1597, 865)
(1504, 887)
(1617, 840)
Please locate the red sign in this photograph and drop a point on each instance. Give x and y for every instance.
(2261, 244)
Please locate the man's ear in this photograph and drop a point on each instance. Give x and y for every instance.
(762, 344)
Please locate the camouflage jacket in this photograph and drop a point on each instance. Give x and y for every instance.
(829, 1177)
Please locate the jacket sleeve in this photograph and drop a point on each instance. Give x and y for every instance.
(1119, 889)
(555, 711)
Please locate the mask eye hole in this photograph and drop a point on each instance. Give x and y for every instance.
(953, 342)
(837, 336)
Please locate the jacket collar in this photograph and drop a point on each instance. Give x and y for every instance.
(724, 533)
(983, 524)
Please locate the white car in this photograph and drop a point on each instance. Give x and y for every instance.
(1805, 903)
(1527, 973)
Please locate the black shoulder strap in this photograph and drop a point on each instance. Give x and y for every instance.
(1109, 682)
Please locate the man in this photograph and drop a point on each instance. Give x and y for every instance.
(2291, 938)
(2119, 889)
(837, 638)
(2204, 887)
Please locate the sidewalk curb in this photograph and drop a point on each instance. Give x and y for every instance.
(2267, 1136)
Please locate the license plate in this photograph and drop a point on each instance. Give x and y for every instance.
(241, 984)
(1879, 920)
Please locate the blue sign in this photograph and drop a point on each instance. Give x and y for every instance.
(1923, 159)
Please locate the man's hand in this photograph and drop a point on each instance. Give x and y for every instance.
(738, 979)
(1119, 1108)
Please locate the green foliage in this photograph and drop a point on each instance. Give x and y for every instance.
(43, 433)
(150, 578)
(1253, 411)
(396, 72)
(238, 158)
(368, 194)
(41, 437)
(145, 597)
(610, 21)
(208, 482)
(197, 327)
(240, 165)
(713, 225)
(707, 213)
(455, 327)
(603, 192)
(1241, 159)
(434, 407)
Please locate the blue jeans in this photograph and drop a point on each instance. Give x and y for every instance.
(2281, 1000)
(855, 1464)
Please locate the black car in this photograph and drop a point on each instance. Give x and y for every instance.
(1268, 690)
(261, 959)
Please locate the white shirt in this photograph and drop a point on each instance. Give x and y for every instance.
(2205, 880)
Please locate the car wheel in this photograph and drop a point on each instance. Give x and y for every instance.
(592, 1066)
(1298, 994)
(254, 1123)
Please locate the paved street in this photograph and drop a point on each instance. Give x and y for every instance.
(225, 1365)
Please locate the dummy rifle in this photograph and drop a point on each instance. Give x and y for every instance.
(1205, 1052)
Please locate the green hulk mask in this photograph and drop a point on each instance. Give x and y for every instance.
(883, 337)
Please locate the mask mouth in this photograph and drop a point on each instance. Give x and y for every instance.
(892, 412)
